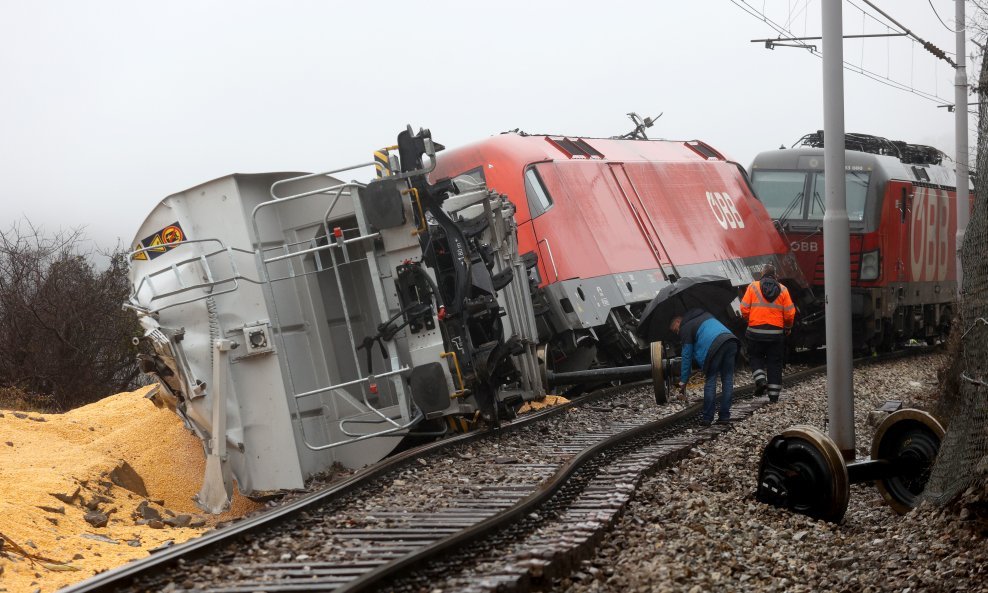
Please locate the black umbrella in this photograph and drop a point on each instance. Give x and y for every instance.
(711, 293)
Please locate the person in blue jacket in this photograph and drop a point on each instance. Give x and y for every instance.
(714, 348)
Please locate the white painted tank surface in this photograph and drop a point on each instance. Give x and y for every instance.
(200, 283)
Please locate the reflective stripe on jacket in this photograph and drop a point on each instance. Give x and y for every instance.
(764, 317)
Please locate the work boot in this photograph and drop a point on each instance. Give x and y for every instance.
(761, 381)
(760, 386)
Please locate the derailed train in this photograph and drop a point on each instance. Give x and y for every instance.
(299, 321)
(613, 221)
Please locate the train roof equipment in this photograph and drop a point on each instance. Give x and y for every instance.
(917, 154)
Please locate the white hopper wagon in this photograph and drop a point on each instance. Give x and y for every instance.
(299, 321)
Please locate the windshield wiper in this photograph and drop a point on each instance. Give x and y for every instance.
(819, 202)
(784, 217)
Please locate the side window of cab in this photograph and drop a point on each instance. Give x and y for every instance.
(538, 197)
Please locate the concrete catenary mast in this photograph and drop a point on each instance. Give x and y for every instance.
(960, 132)
(836, 238)
(907, 440)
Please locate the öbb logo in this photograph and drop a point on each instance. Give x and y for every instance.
(930, 235)
(724, 210)
(811, 246)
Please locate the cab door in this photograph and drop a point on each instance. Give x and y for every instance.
(896, 221)
(566, 245)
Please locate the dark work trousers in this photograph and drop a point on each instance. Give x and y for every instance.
(765, 357)
(722, 364)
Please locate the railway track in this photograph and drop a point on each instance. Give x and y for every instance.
(480, 512)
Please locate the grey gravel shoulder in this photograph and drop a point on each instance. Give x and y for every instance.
(698, 528)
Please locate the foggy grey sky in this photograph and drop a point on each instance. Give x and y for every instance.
(107, 107)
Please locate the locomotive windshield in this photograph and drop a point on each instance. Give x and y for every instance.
(801, 195)
(781, 192)
(855, 190)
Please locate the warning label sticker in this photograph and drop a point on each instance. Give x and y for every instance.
(154, 245)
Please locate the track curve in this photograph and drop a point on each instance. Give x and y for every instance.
(409, 547)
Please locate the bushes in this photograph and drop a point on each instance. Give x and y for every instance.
(63, 332)
(12, 398)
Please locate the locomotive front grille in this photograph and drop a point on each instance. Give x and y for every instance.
(855, 269)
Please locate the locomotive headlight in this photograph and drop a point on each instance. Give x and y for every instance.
(869, 265)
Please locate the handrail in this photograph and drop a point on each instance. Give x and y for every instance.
(321, 248)
(203, 260)
(275, 196)
(361, 404)
(459, 374)
(552, 260)
(418, 202)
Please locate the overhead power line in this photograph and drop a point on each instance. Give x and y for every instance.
(936, 51)
(941, 20)
(787, 36)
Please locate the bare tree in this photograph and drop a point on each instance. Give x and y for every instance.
(63, 332)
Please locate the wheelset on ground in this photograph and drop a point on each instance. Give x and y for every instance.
(803, 470)
(661, 370)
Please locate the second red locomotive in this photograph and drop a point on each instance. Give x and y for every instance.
(901, 203)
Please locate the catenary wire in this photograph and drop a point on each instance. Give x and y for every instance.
(786, 35)
(941, 20)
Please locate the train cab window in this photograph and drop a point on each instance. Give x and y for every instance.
(781, 192)
(475, 175)
(538, 197)
(856, 193)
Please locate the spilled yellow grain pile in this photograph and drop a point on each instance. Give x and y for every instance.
(71, 455)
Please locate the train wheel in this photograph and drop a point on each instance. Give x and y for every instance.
(541, 354)
(658, 374)
(803, 470)
(910, 440)
(887, 341)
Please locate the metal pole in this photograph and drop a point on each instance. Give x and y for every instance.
(836, 237)
(960, 131)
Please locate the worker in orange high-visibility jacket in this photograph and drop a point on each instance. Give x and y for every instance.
(769, 311)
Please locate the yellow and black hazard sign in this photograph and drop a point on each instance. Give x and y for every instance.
(381, 163)
(154, 245)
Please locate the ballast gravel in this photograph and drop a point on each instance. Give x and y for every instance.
(697, 527)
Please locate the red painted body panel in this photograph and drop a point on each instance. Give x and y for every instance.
(917, 248)
(644, 205)
(932, 236)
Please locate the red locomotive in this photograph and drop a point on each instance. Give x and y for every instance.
(612, 221)
(901, 203)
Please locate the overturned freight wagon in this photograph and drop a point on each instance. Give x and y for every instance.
(299, 321)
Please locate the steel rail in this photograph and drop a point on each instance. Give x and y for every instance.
(115, 578)
(377, 578)
(121, 576)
